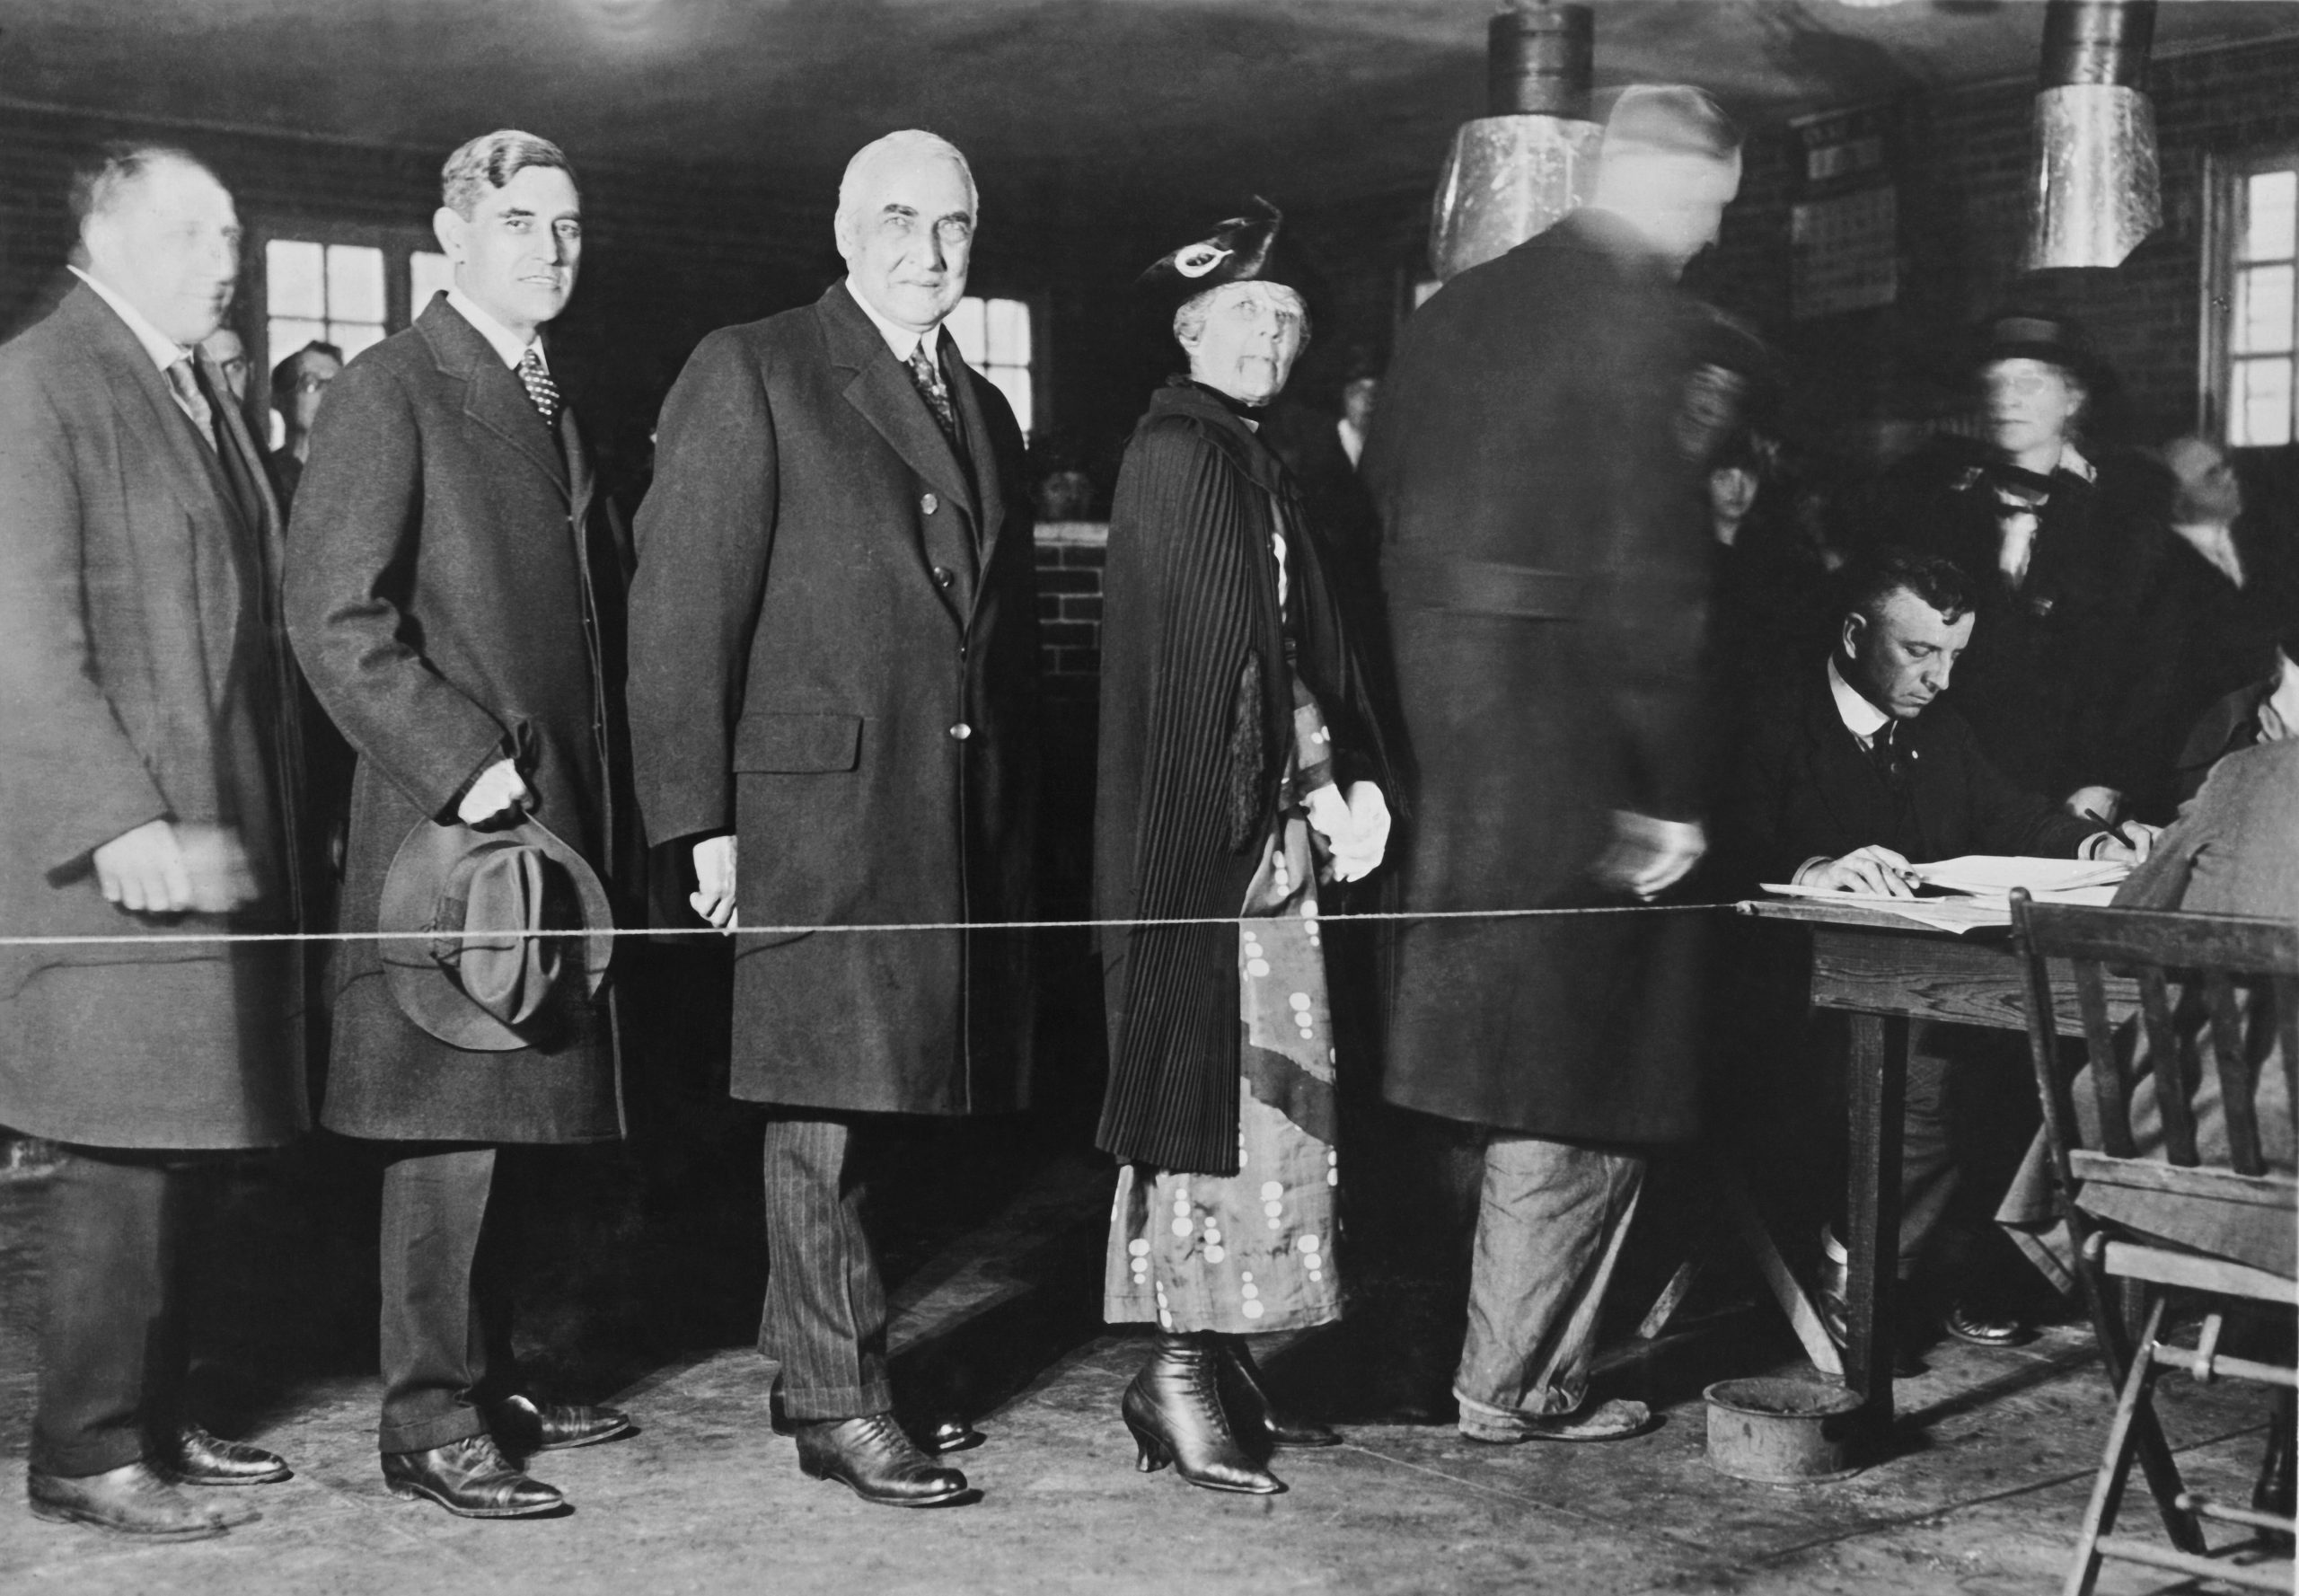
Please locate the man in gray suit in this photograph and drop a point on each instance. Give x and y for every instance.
(147, 789)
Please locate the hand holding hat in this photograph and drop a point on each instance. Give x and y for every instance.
(517, 923)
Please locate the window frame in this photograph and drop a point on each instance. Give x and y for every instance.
(1039, 366)
(396, 241)
(2225, 173)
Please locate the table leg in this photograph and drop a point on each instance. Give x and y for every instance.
(1875, 1092)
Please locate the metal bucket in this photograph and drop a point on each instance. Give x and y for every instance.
(1780, 1431)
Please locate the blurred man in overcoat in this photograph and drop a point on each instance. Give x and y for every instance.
(1545, 566)
(455, 590)
(834, 679)
(146, 789)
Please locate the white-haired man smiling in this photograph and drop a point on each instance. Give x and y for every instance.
(854, 718)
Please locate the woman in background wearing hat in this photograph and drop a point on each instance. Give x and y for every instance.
(2064, 537)
(1234, 717)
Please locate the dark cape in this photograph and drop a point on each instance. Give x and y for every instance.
(1196, 717)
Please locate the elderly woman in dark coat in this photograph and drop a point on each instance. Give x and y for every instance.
(1233, 713)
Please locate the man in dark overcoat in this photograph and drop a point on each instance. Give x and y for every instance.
(455, 590)
(147, 789)
(833, 678)
(1546, 562)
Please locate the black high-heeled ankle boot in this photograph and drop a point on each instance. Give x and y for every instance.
(1245, 1398)
(1173, 1410)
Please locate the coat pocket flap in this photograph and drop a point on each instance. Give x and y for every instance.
(797, 742)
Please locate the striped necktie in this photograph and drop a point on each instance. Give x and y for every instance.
(540, 387)
(191, 401)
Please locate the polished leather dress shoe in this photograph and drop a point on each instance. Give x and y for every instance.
(1174, 1412)
(873, 1457)
(1981, 1327)
(204, 1460)
(526, 1425)
(471, 1478)
(949, 1435)
(1245, 1398)
(132, 1500)
(935, 1438)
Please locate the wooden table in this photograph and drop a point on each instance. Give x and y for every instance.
(1883, 972)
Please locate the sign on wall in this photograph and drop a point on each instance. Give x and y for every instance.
(1844, 234)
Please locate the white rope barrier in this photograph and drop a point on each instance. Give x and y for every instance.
(150, 939)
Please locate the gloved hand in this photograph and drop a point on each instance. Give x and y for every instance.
(1356, 827)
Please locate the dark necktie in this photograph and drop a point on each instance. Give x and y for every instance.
(1886, 754)
(540, 387)
(926, 376)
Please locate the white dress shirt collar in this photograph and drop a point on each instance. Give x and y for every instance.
(1353, 441)
(901, 339)
(1862, 718)
(508, 346)
(163, 350)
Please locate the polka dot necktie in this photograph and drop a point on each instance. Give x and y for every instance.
(540, 387)
(926, 375)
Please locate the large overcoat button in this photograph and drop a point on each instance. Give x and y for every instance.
(962, 731)
(944, 575)
(929, 504)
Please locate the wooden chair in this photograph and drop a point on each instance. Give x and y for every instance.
(2215, 990)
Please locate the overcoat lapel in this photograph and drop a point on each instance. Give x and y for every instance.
(881, 389)
(493, 397)
(991, 496)
(195, 476)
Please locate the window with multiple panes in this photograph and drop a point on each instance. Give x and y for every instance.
(2256, 331)
(330, 292)
(994, 335)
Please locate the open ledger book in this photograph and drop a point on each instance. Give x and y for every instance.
(1958, 895)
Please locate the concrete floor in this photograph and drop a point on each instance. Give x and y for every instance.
(1992, 1457)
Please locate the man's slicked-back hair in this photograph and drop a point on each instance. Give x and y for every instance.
(492, 160)
(1871, 581)
(111, 168)
(904, 141)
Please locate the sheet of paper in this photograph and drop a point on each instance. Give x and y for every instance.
(1940, 914)
(1996, 875)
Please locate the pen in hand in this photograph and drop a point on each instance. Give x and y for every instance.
(2115, 833)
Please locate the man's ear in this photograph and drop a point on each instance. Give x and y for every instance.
(450, 229)
(1856, 627)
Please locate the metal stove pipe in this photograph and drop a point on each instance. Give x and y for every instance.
(1514, 173)
(2096, 188)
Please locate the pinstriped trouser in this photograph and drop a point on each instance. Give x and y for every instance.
(825, 1319)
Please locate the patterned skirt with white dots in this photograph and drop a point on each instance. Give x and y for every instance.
(1254, 1251)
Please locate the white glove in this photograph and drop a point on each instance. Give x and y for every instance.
(1356, 827)
(1370, 812)
(499, 791)
(714, 874)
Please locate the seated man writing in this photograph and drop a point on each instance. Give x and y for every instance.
(1851, 776)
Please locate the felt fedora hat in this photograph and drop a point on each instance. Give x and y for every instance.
(476, 979)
